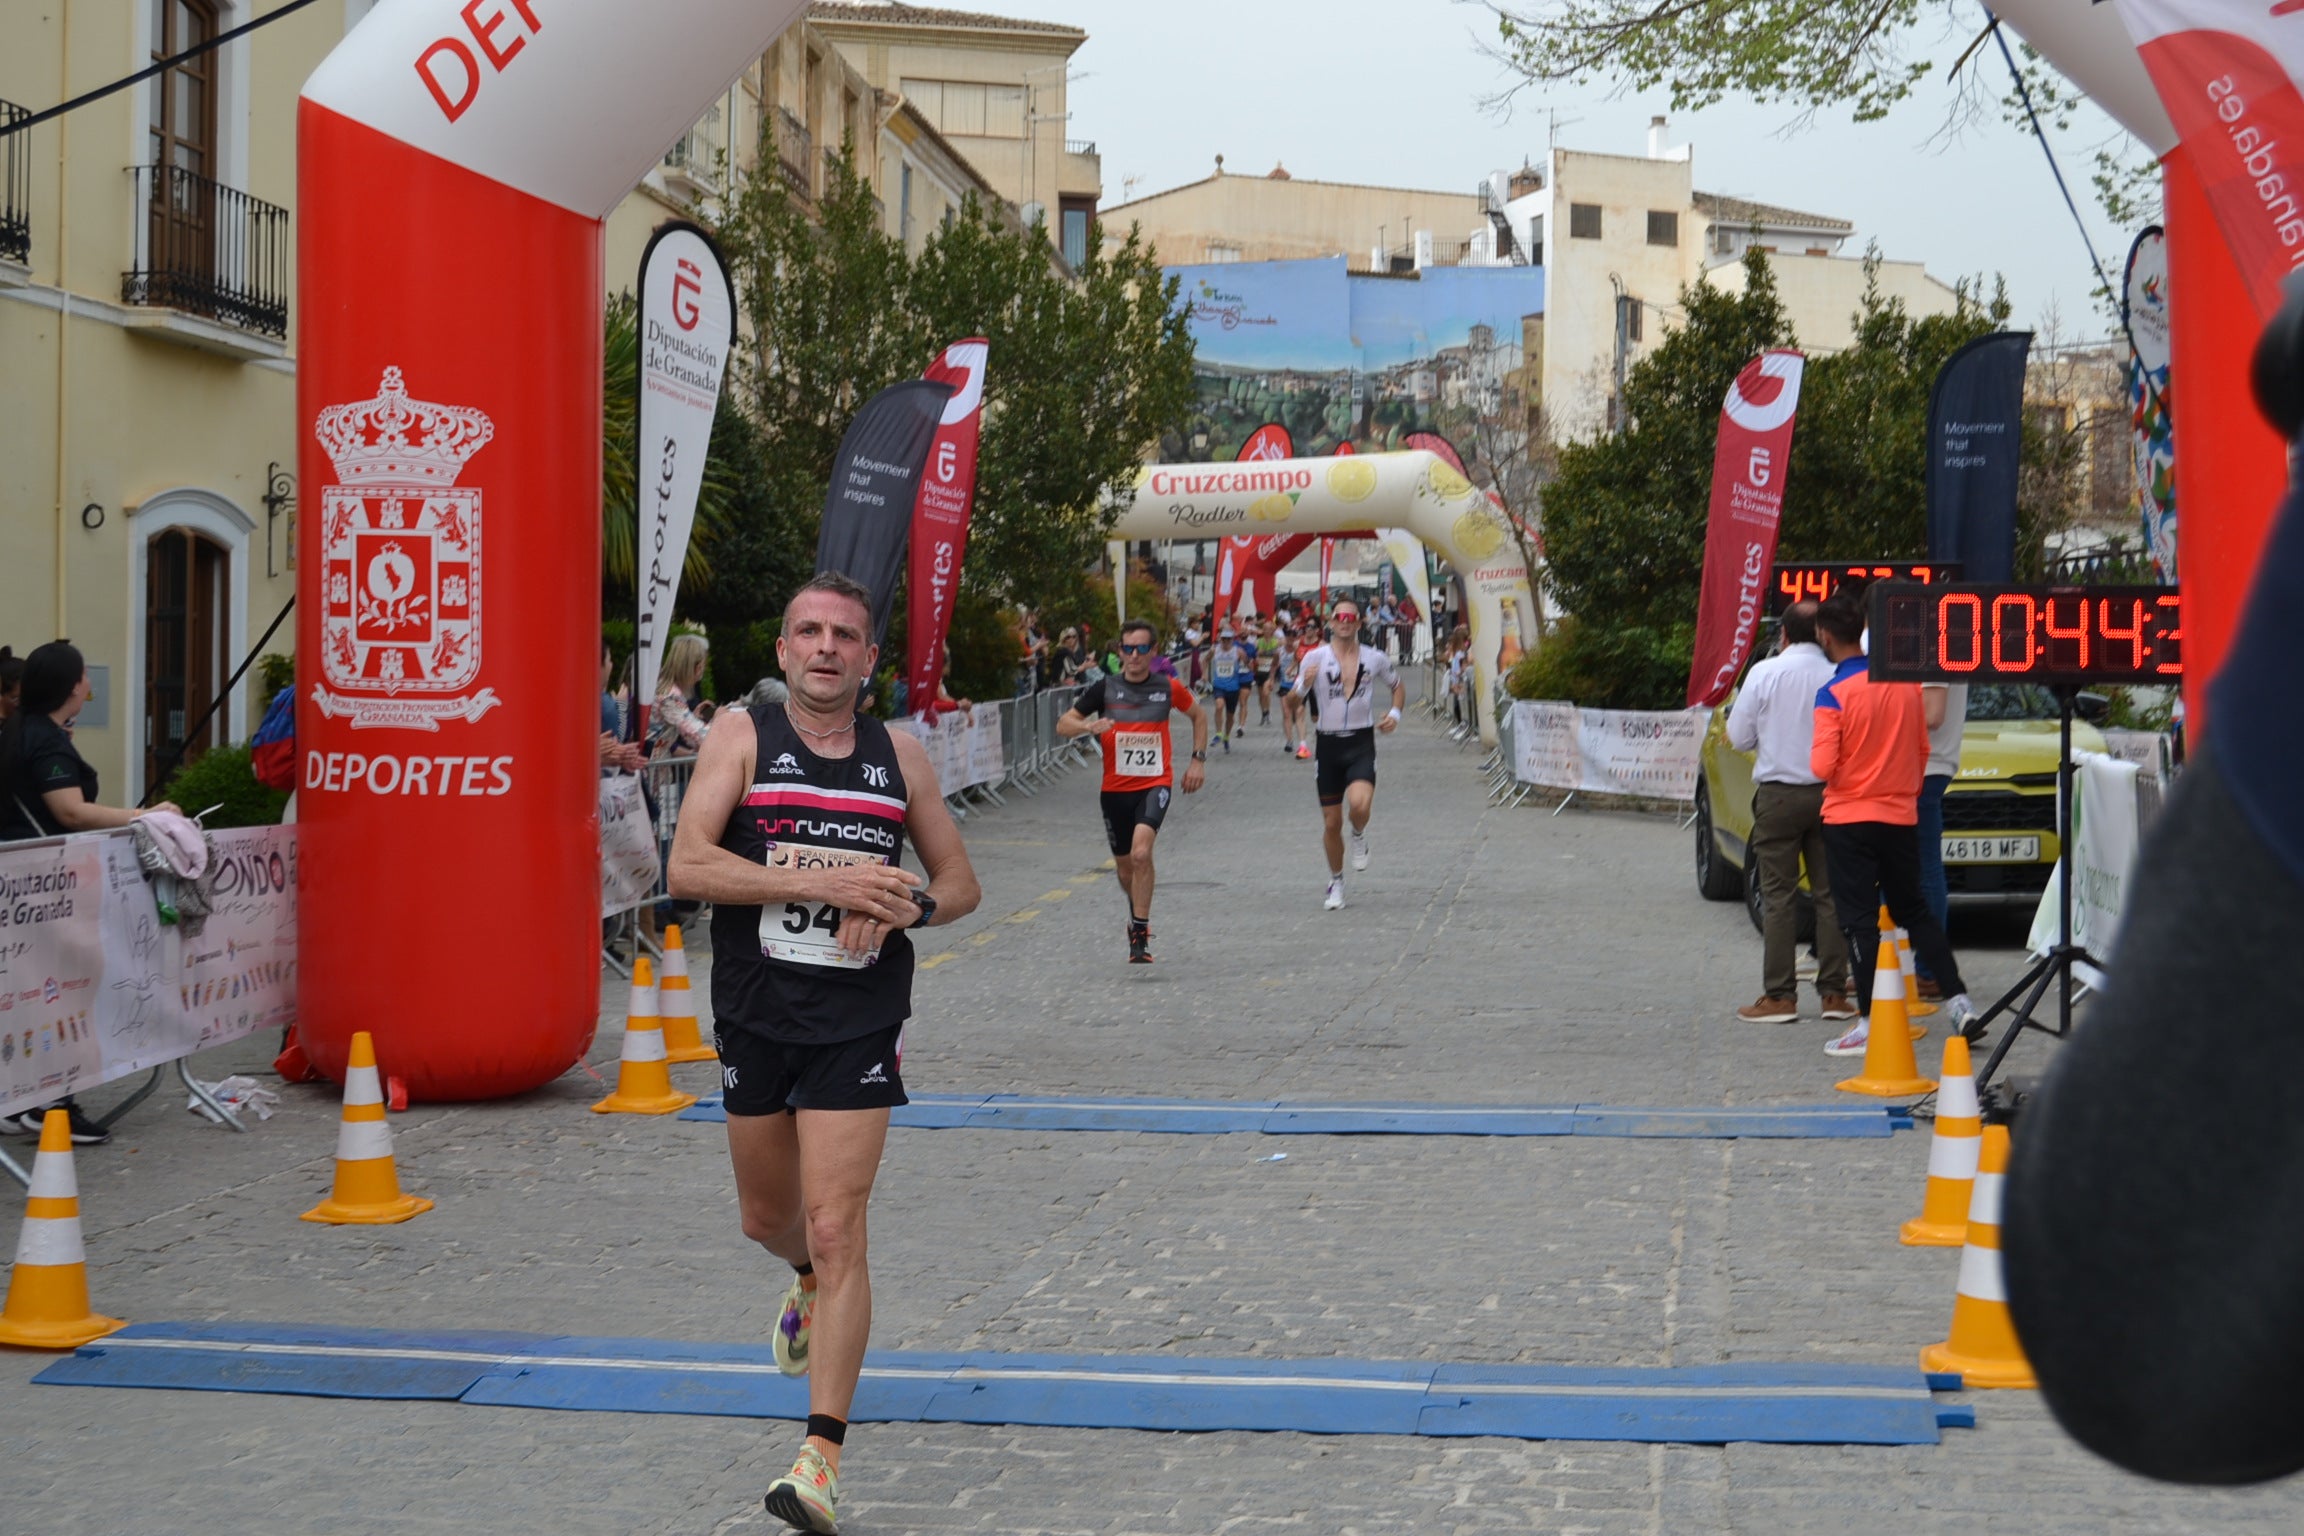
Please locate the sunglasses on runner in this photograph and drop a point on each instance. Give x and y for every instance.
(1134, 650)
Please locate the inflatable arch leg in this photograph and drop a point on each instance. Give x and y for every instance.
(455, 163)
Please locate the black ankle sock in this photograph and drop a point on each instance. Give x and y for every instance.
(822, 1426)
(803, 1270)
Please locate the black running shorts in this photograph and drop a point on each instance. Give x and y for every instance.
(1340, 758)
(770, 1077)
(1126, 810)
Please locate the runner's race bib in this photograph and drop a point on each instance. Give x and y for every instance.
(807, 933)
(1140, 754)
(1227, 664)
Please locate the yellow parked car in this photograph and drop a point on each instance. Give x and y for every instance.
(1999, 814)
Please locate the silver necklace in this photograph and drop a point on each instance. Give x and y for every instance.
(819, 735)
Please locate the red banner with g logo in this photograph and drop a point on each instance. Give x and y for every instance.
(1748, 468)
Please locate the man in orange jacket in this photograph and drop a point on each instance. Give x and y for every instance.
(1871, 751)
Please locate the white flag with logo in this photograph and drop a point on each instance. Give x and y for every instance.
(687, 329)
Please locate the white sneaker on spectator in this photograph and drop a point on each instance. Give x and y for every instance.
(1853, 1042)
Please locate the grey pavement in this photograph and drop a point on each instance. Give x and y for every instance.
(1488, 956)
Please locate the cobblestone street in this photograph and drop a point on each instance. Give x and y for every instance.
(1492, 956)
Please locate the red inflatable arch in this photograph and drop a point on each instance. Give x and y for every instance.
(456, 159)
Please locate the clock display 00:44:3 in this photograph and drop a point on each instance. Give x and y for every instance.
(1967, 633)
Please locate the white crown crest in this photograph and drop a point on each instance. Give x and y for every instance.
(393, 440)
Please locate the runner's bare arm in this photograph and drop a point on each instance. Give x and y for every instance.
(1399, 703)
(1194, 774)
(702, 870)
(1074, 723)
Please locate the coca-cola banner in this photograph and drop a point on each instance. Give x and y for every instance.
(687, 329)
(1234, 561)
(1748, 467)
(875, 484)
(2227, 75)
(940, 517)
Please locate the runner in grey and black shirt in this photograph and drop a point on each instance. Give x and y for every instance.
(1341, 679)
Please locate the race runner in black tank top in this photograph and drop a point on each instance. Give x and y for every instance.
(778, 972)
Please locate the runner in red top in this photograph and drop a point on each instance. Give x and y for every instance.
(1131, 726)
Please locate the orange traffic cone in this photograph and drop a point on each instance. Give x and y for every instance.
(1914, 1004)
(367, 1192)
(643, 1082)
(1983, 1347)
(48, 1293)
(1943, 1218)
(1889, 1070)
(1891, 938)
(676, 1005)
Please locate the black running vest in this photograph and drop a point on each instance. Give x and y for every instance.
(775, 970)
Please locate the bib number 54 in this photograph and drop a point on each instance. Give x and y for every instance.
(799, 917)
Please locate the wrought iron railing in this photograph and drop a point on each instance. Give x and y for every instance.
(795, 152)
(209, 250)
(1080, 146)
(15, 188)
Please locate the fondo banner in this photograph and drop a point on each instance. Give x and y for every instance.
(1748, 467)
(940, 518)
(687, 330)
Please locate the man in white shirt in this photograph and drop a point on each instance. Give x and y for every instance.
(1775, 715)
(1945, 707)
(1342, 679)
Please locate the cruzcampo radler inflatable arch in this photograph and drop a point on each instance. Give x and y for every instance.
(1415, 490)
(455, 161)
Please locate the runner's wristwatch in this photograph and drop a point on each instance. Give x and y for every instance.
(1200, 757)
(927, 905)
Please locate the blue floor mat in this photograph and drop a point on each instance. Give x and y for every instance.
(1206, 1117)
(1776, 1403)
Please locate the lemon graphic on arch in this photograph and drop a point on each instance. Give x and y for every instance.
(1351, 480)
(1477, 534)
(1271, 509)
(1446, 483)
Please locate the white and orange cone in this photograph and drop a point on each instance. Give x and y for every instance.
(1914, 1004)
(48, 1291)
(676, 1005)
(1952, 1156)
(1889, 1069)
(643, 1080)
(367, 1192)
(1983, 1346)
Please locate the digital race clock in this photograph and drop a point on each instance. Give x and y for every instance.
(1812, 581)
(1959, 632)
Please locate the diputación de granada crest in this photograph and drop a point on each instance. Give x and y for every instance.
(400, 623)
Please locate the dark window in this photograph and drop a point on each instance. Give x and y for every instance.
(1075, 235)
(1632, 308)
(183, 129)
(1663, 228)
(1536, 241)
(187, 603)
(1583, 221)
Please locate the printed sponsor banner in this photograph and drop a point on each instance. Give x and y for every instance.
(2104, 837)
(1975, 429)
(94, 987)
(1650, 753)
(1238, 572)
(2152, 440)
(940, 516)
(966, 747)
(687, 330)
(627, 846)
(875, 485)
(2227, 75)
(1748, 467)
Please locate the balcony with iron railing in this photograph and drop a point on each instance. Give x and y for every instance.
(795, 152)
(15, 188)
(207, 250)
(1080, 147)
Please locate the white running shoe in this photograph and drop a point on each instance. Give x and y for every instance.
(1359, 850)
(1335, 901)
(1853, 1042)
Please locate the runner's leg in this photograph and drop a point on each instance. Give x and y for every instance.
(1360, 800)
(1140, 859)
(839, 1157)
(766, 1152)
(1332, 836)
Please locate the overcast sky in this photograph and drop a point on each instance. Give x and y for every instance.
(1165, 88)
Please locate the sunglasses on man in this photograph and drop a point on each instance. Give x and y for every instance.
(1134, 650)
